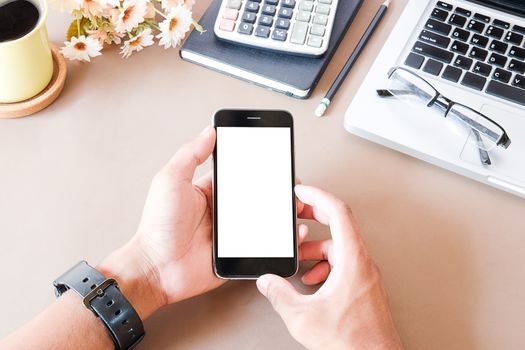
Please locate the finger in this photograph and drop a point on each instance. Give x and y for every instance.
(302, 232)
(183, 164)
(327, 209)
(280, 293)
(298, 204)
(315, 250)
(317, 274)
(205, 185)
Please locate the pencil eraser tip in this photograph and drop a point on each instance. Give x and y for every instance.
(319, 111)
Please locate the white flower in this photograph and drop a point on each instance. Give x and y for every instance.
(81, 48)
(140, 41)
(175, 26)
(169, 4)
(109, 3)
(66, 5)
(131, 15)
(105, 35)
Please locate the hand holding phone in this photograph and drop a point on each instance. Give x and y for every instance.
(254, 202)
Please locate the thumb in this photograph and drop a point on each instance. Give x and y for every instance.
(281, 294)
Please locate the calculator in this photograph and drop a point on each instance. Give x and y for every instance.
(301, 27)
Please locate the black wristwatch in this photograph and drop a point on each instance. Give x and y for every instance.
(103, 297)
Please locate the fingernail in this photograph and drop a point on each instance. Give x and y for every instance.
(206, 130)
(262, 285)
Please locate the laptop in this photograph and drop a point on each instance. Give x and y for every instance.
(471, 51)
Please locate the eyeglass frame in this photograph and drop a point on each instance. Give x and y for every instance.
(504, 140)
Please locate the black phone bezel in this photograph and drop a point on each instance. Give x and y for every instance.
(251, 268)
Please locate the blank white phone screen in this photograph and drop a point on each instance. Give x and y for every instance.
(254, 192)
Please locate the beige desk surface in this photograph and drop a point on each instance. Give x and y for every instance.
(73, 181)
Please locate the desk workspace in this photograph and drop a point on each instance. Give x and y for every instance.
(450, 249)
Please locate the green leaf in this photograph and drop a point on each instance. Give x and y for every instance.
(72, 31)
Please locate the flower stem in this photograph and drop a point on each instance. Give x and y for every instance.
(78, 28)
(160, 13)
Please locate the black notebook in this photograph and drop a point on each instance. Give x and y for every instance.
(292, 75)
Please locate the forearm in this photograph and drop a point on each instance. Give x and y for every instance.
(68, 324)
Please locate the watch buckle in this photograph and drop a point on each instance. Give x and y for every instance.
(98, 292)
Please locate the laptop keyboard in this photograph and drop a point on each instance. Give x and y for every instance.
(474, 50)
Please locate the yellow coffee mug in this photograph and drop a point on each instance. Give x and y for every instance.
(26, 64)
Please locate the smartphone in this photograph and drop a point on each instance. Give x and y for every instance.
(254, 202)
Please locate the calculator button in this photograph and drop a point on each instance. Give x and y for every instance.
(234, 4)
(288, 3)
(283, 23)
(285, 12)
(325, 1)
(252, 6)
(227, 25)
(315, 41)
(269, 10)
(321, 19)
(271, 2)
(266, 20)
(303, 16)
(249, 17)
(299, 33)
(317, 30)
(323, 9)
(245, 28)
(230, 14)
(279, 34)
(306, 6)
(262, 31)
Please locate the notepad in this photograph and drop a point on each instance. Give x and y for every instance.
(292, 75)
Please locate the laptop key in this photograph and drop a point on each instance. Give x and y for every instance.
(463, 12)
(495, 32)
(433, 38)
(517, 52)
(498, 46)
(482, 69)
(482, 18)
(433, 52)
(474, 81)
(502, 75)
(501, 24)
(439, 14)
(458, 46)
(479, 40)
(497, 60)
(433, 67)
(517, 66)
(460, 34)
(519, 29)
(507, 92)
(513, 38)
(452, 74)
(463, 62)
(478, 54)
(444, 5)
(476, 26)
(414, 60)
(519, 81)
(438, 27)
(457, 20)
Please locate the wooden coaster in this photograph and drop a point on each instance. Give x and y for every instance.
(43, 99)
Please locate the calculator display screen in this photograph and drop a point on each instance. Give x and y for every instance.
(255, 217)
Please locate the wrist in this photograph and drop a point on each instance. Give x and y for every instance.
(137, 278)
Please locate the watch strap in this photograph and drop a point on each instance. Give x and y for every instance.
(103, 297)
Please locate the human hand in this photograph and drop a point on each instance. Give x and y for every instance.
(172, 251)
(350, 310)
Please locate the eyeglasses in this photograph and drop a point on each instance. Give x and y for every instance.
(411, 88)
